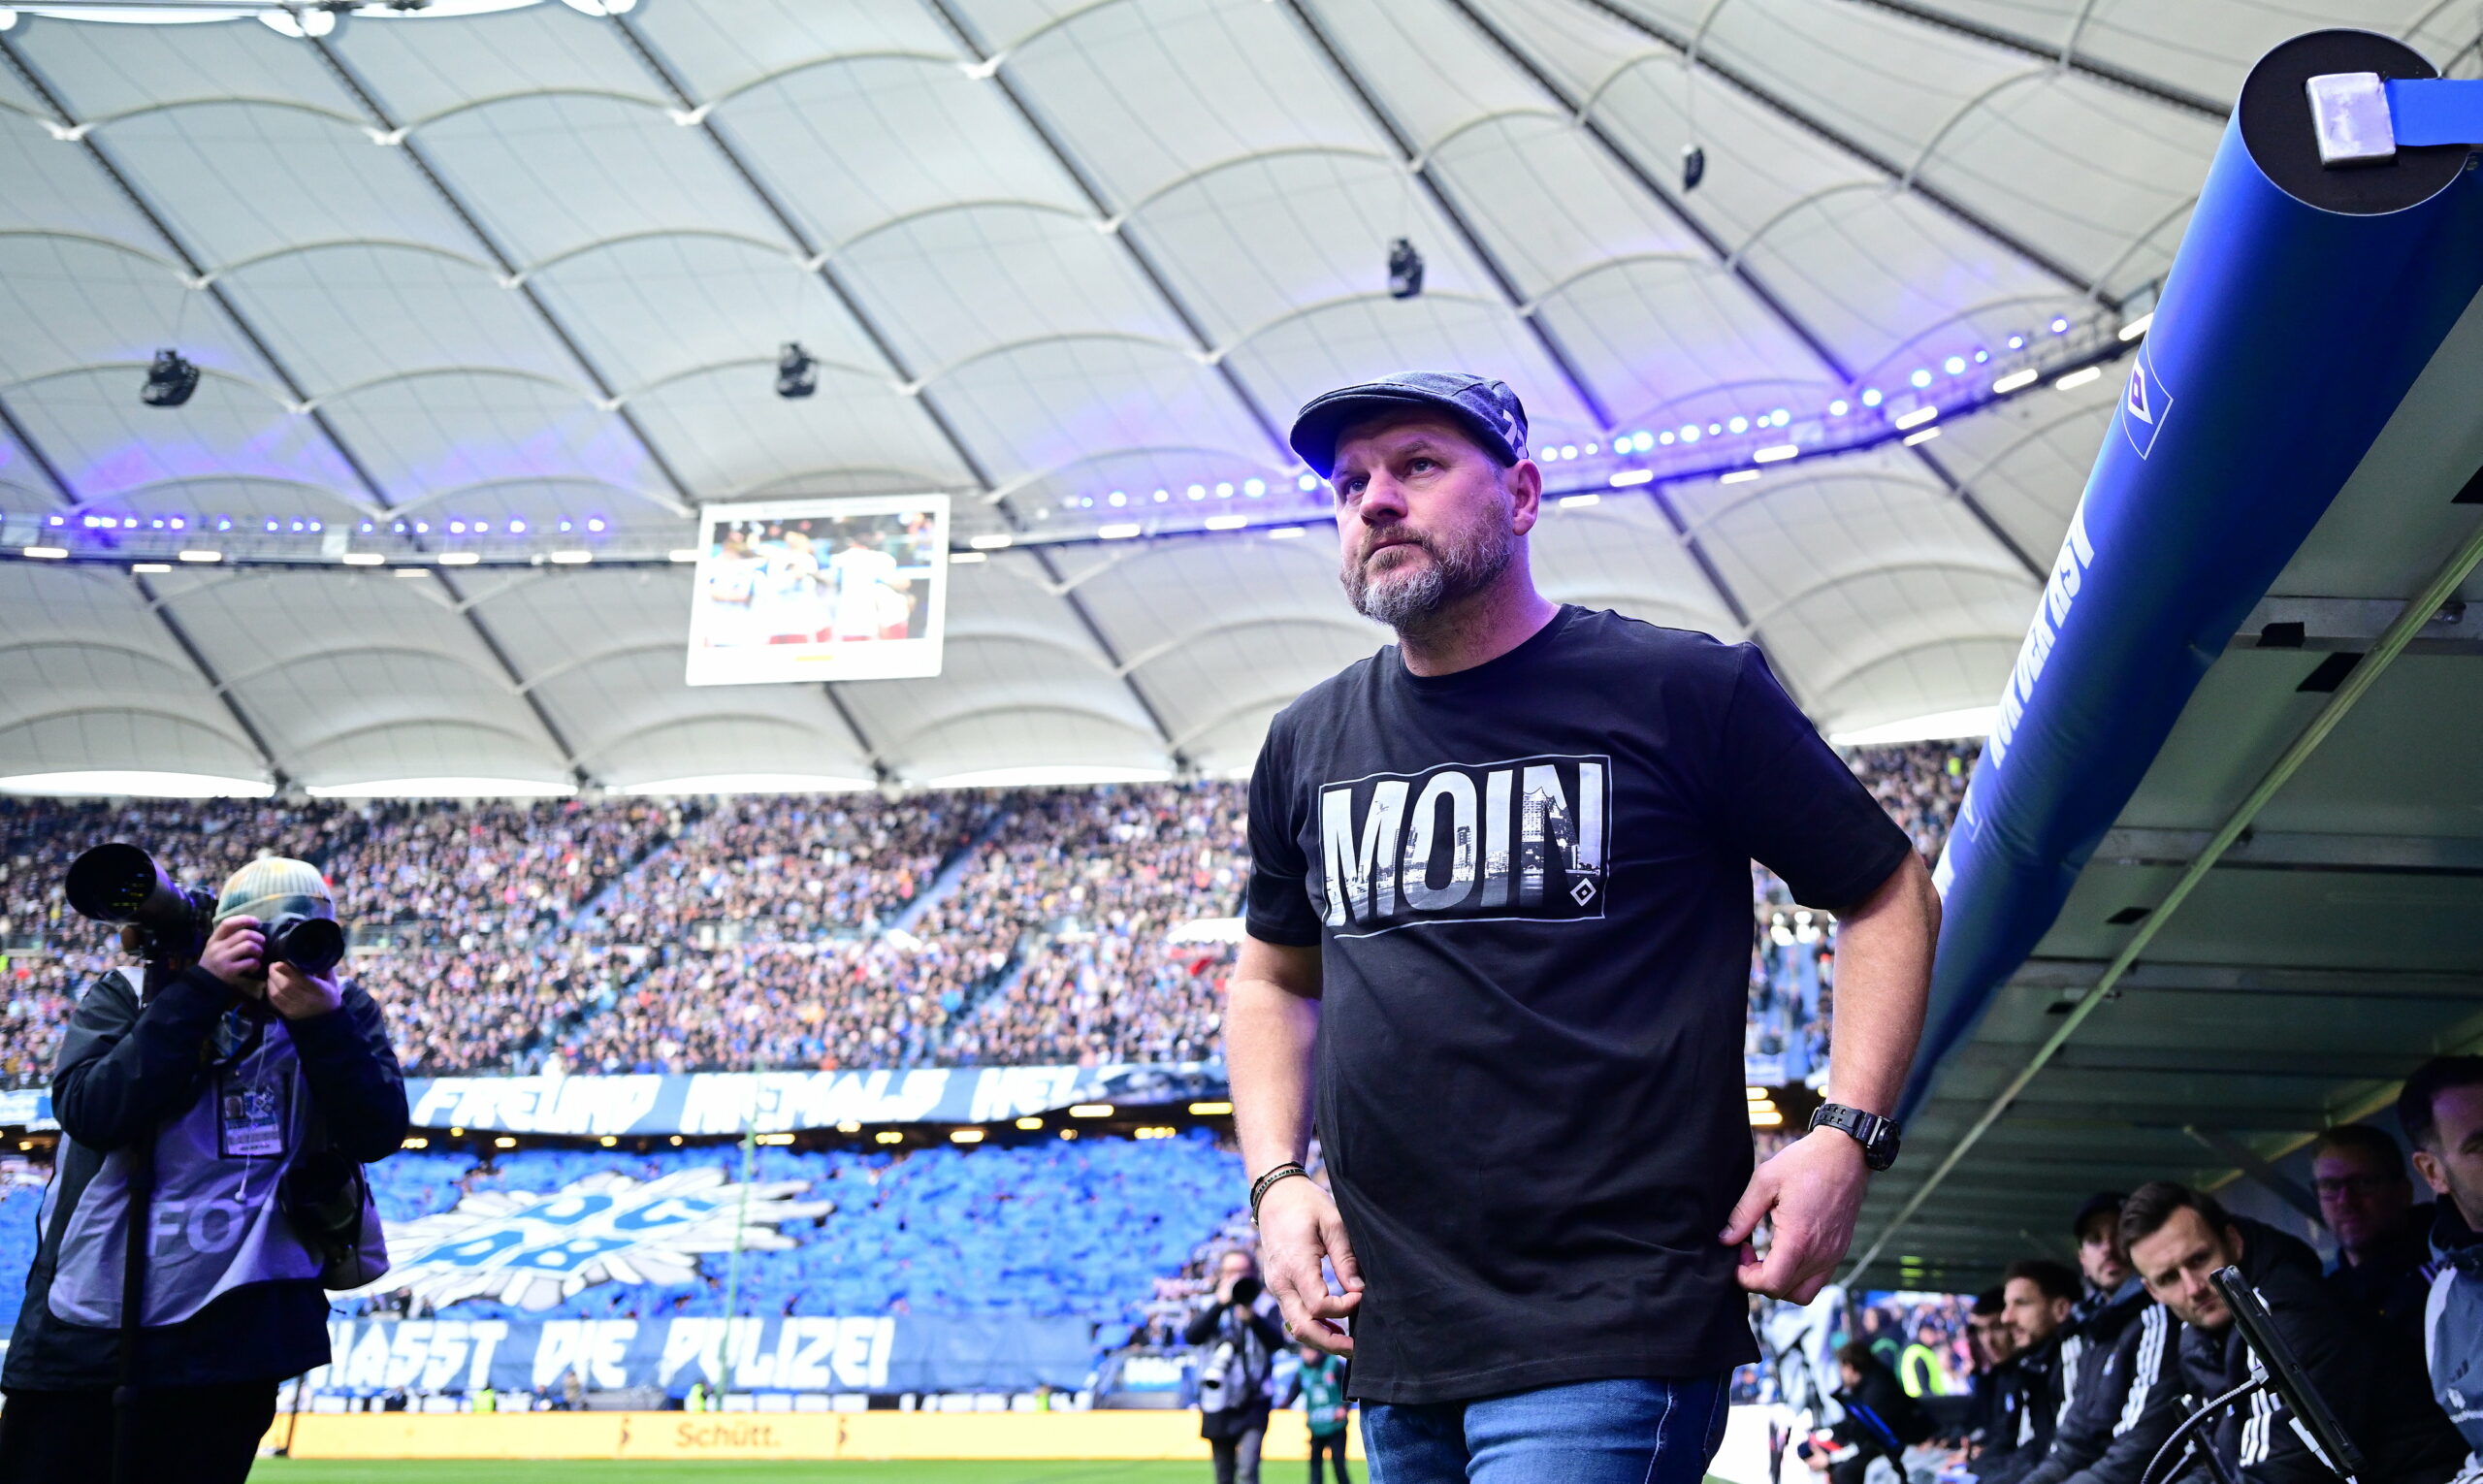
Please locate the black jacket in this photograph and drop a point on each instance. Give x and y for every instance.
(2410, 1439)
(123, 1071)
(1880, 1418)
(1256, 1339)
(2256, 1438)
(2027, 1411)
(1986, 1395)
(2124, 1397)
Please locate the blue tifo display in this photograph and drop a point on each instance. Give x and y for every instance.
(999, 1268)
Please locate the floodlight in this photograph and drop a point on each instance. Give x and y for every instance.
(170, 381)
(1405, 270)
(797, 373)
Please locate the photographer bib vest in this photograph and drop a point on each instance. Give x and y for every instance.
(214, 1221)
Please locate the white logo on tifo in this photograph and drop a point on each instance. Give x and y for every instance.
(532, 1249)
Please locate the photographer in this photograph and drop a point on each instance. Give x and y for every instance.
(1881, 1421)
(1238, 1334)
(244, 1090)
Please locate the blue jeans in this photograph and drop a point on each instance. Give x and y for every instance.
(1619, 1432)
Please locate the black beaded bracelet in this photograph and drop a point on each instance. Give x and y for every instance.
(1259, 1187)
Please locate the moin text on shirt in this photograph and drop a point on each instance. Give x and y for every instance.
(1524, 839)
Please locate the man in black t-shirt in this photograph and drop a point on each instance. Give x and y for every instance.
(1498, 939)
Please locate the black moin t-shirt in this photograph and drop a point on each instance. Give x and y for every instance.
(1530, 883)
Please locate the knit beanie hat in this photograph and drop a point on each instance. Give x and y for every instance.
(274, 887)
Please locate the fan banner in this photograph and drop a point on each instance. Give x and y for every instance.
(879, 1353)
(712, 1103)
(819, 590)
(727, 1103)
(2286, 335)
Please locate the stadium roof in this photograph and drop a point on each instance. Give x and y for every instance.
(520, 262)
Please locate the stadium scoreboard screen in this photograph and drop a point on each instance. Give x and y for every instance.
(817, 590)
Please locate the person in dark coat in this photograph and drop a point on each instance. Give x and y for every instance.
(1990, 1343)
(2382, 1278)
(2441, 1111)
(1881, 1421)
(2177, 1238)
(229, 1079)
(1238, 1334)
(2037, 1296)
(2124, 1381)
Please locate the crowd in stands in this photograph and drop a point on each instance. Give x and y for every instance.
(201, 840)
(1793, 955)
(484, 872)
(2082, 1375)
(1079, 925)
(789, 867)
(1108, 880)
(454, 1010)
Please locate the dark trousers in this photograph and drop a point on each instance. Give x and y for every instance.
(1329, 1445)
(1237, 1457)
(196, 1435)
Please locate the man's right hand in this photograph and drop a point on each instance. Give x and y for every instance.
(235, 952)
(1297, 1226)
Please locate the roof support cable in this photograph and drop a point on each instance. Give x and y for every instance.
(670, 78)
(266, 352)
(1419, 167)
(1730, 262)
(662, 69)
(68, 497)
(1697, 57)
(2066, 55)
(1140, 258)
(2417, 613)
(353, 84)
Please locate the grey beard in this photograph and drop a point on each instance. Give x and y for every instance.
(1452, 574)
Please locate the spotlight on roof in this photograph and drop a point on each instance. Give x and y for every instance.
(797, 371)
(1405, 270)
(170, 381)
(1693, 167)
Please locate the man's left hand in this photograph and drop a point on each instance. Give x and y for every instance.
(1811, 1189)
(297, 996)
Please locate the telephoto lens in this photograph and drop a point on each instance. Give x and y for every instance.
(122, 884)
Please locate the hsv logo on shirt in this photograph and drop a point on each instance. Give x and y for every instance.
(1525, 839)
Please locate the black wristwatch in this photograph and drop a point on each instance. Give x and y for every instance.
(1878, 1136)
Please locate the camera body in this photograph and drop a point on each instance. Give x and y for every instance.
(123, 885)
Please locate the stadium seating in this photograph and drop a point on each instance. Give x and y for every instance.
(1084, 926)
(973, 927)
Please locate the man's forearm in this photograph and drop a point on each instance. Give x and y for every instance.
(1270, 1033)
(1882, 983)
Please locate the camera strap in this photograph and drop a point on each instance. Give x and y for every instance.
(136, 1213)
